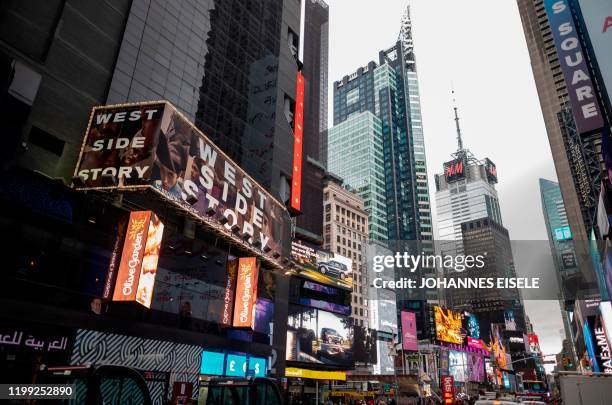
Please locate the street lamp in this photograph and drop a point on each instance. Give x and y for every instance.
(393, 355)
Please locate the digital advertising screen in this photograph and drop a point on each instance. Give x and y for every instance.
(321, 266)
(316, 336)
(470, 324)
(324, 297)
(448, 325)
(475, 367)
(457, 365)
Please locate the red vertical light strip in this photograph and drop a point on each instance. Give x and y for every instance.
(298, 130)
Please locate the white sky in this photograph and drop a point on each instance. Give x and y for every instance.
(479, 47)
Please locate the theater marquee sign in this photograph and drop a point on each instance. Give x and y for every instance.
(153, 146)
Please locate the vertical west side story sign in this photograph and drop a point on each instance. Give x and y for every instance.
(153, 146)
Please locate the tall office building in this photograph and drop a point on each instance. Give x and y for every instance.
(389, 91)
(229, 67)
(562, 248)
(346, 233)
(487, 238)
(315, 59)
(574, 141)
(356, 154)
(464, 191)
(573, 121)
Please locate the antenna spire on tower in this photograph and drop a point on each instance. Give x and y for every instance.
(459, 140)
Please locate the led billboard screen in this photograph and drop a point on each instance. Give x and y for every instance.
(315, 336)
(153, 146)
(135, 278)
(298, 132)
(491, 170)
(322, 266)
(454, 170)
(471, 325)
(246, 293)
(457, 365)
(448, 325)
(409, 331)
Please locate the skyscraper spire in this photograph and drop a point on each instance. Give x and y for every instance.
(459, 140)
(405, 37)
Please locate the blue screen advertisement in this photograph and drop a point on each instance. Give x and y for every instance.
(232, 365)
(257, 366)
(236, 365)
(212, 363)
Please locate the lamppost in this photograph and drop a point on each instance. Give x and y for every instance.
(393, 355)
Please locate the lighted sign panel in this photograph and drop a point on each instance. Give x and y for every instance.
(236, 365)
(448, 389)
(448, 325)
(152, 146)
(138, 265)
(454, 170)
(409, 331)
(228, 293)
(491, 170)
(246, 293)
(298, 131)
(212, 363)
(572, 59)
(321, 266)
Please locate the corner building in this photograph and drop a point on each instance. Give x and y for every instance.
(230, 68)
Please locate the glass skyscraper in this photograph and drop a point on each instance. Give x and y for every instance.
(388, 90)
(561, 246)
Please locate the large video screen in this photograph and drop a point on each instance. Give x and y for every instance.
(448, 325)
(315, 336)
(475, 367)
(457, 365)
(322, 266)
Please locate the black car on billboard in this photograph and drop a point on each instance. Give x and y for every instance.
(334, 269)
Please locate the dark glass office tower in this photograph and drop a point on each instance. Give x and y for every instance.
(489, 239)
(230, 67)
(389, 90)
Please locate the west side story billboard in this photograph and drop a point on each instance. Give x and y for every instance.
(153, 146)
(597, 15)
(572, 59)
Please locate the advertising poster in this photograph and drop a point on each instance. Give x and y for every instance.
(534, 343)
(453, 170)
(153, 146)
(448, 325)
(228, 293)
(409, 331)
(448, 389)
(246, 293)
(510, 319)
(322, 266)
(475, 367)
(457, 365)
(298, 132)
(471, 325)
(138, 265)
(315, 336)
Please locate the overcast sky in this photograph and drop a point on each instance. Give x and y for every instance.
(478, 47)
